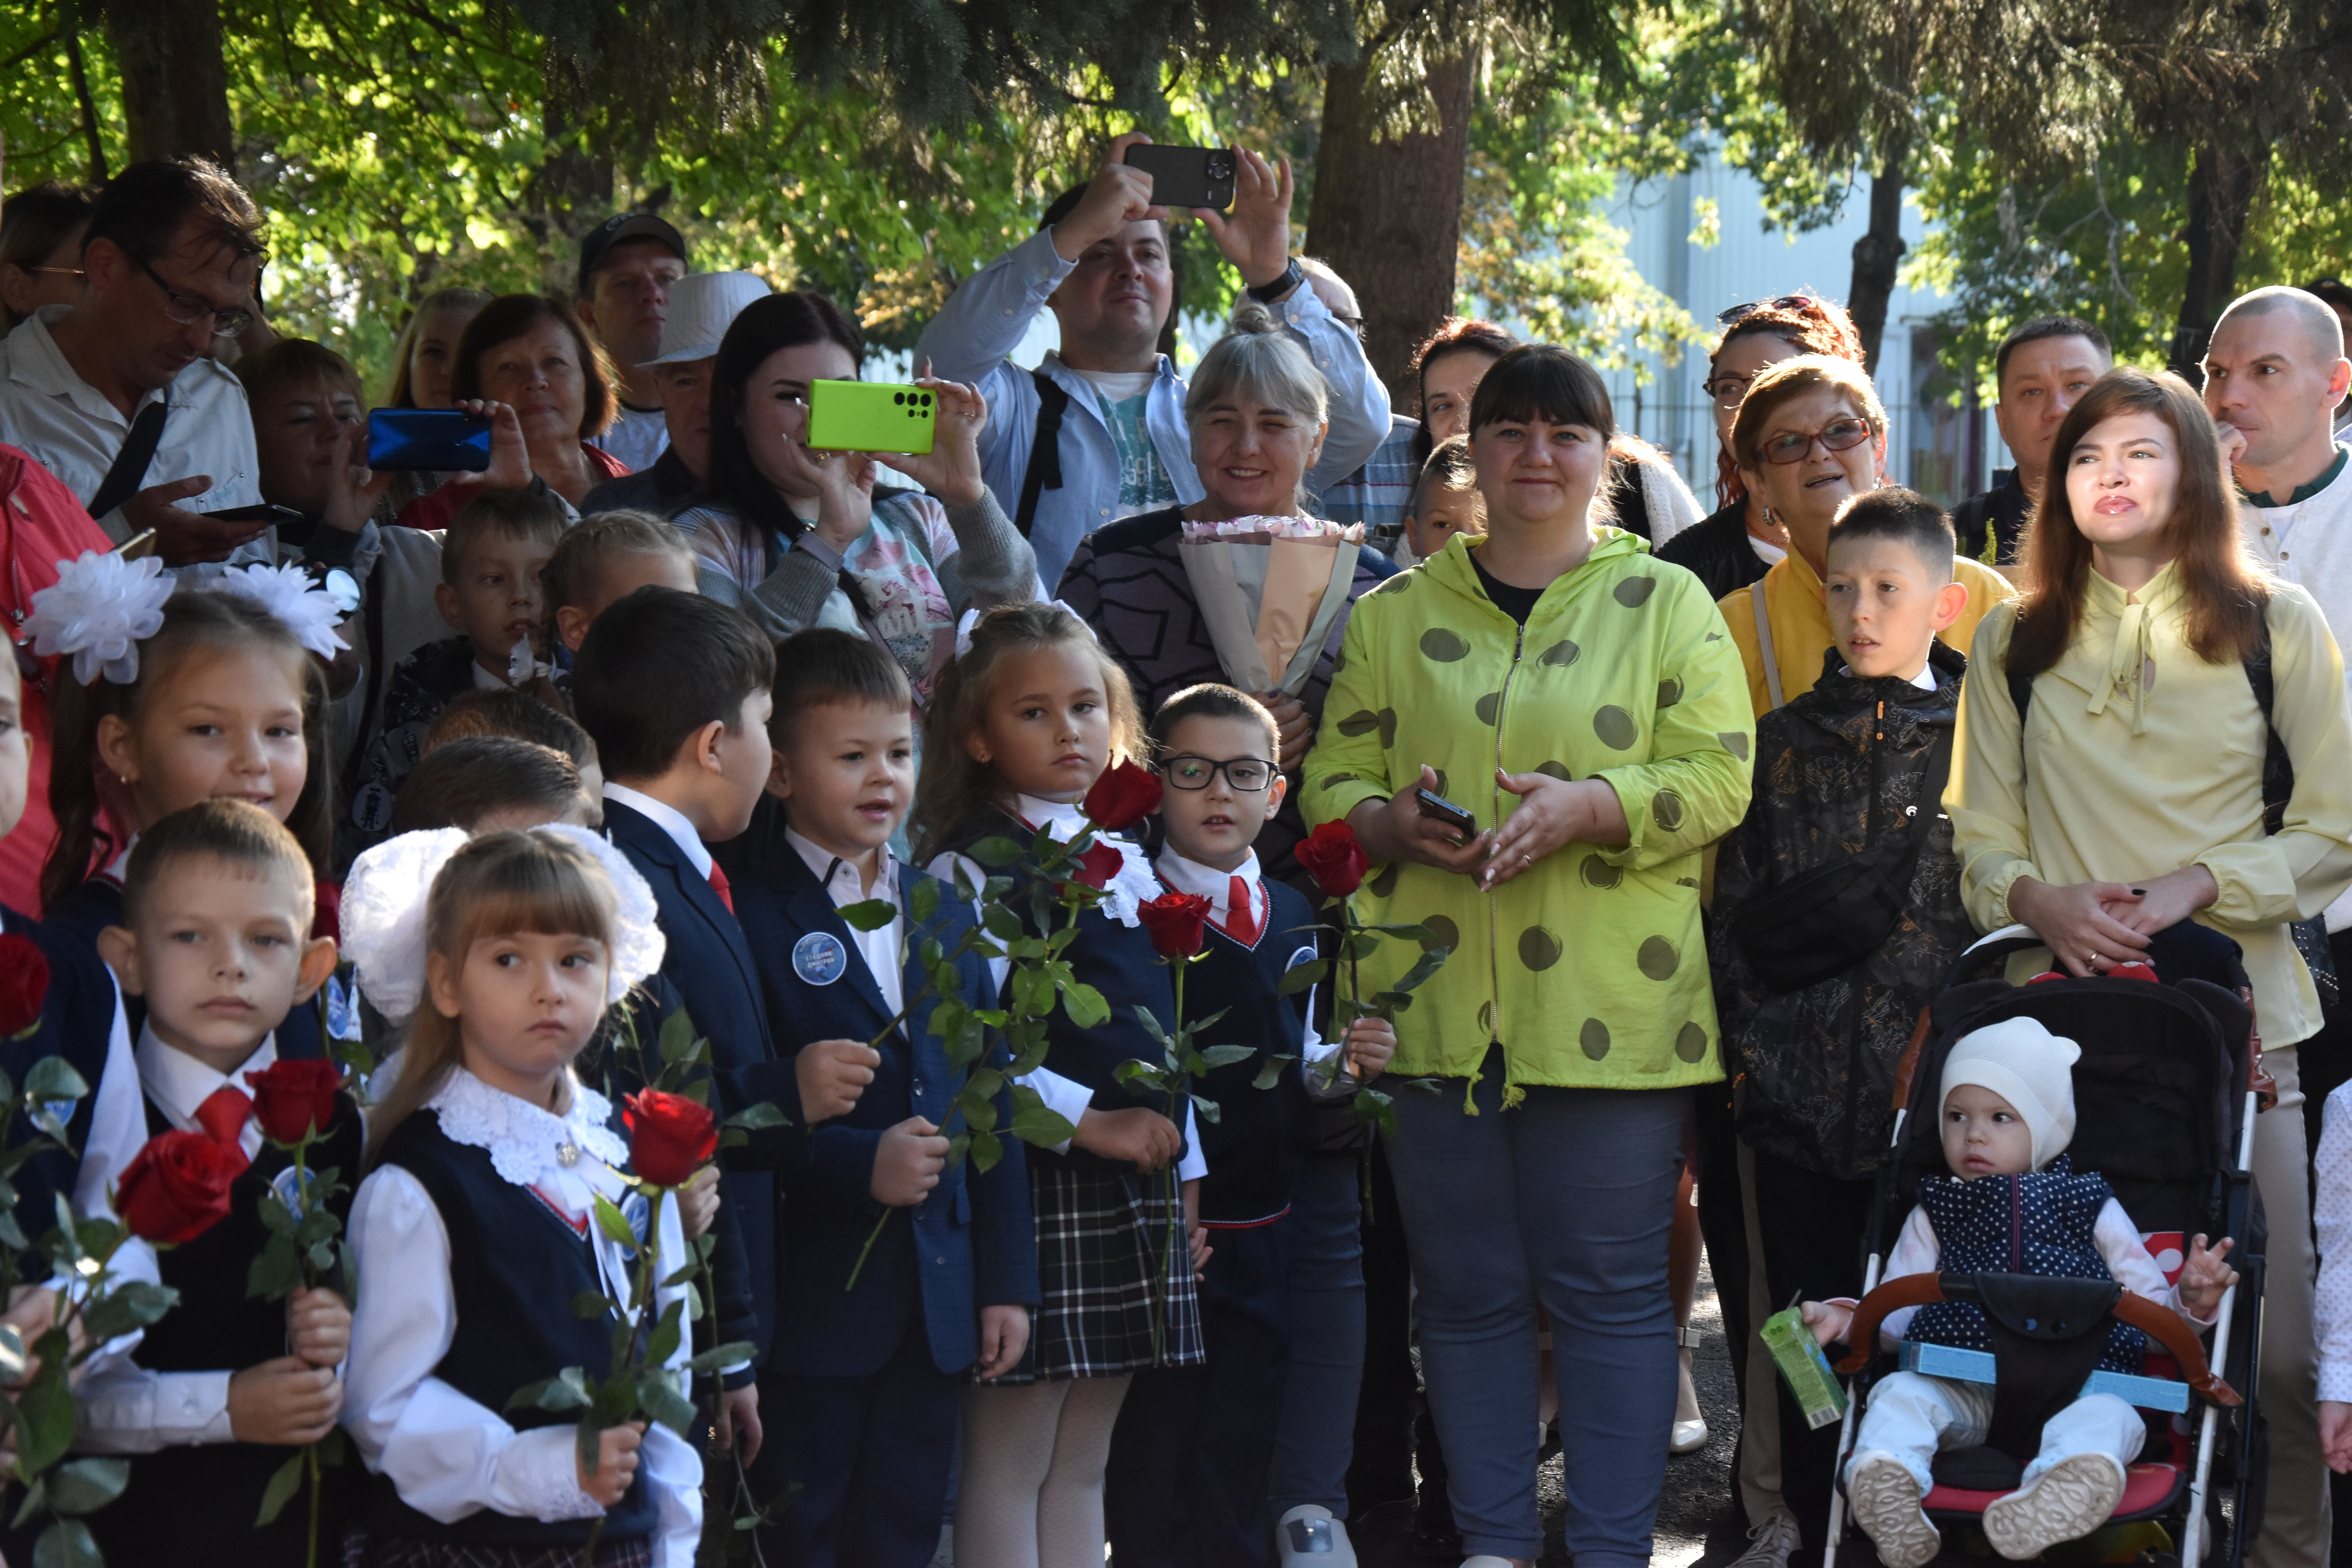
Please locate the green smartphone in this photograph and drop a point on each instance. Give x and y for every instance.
(871, 417)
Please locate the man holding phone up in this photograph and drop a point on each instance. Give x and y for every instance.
(1097, 432)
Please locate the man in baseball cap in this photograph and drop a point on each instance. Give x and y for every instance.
(628, 264)
(703, 305)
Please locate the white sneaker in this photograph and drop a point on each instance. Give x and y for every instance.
(1886, 1500)
(2067, 1501)
(1769, 1545)
(1487, 1560)
(1310, 1536)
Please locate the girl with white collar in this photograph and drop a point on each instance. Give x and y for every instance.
(476, 1232)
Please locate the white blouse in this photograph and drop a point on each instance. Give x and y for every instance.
(449, 1455)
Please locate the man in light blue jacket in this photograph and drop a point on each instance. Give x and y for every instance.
(1109, 403)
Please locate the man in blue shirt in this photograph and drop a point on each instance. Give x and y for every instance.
(1111, 403)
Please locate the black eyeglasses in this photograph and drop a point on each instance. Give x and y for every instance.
(1247, 775)
(189, 308)
(1785, 302)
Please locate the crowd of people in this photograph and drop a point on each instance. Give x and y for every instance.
(666, 765)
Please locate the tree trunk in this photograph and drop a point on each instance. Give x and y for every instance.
(2220, 193)
(572, 190)
(1877, 253)
(175, 79)
(1387, 215)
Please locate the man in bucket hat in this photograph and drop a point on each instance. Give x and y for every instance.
(701, 307)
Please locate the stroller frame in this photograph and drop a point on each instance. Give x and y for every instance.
(2235, 1334)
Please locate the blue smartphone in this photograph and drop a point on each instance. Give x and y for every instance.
(439, 440)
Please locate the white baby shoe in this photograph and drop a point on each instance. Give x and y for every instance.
(2064, 1502)
(1310, 1537)
(1886, 1500)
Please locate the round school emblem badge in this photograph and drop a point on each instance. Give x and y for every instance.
(819, 958)
(1304, 955)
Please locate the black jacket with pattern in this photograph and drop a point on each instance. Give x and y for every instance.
(1815, 1068)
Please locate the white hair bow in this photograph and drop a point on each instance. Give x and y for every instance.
(101, 607)
(308, 611)
(971, 619)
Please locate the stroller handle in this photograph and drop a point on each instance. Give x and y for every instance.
(1924, 1289)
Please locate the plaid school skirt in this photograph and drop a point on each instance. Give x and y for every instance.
(1113, 1303)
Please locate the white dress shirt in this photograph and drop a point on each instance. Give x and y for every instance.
(1184, 875)
(76, 431)
(637, 436)
(2331, 1216)
(448, 1455)
(1133, 883)
(671, 821)
(1925, 681)
(883, 948)
(122, 1407)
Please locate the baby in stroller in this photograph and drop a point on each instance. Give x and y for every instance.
(2014, 1205)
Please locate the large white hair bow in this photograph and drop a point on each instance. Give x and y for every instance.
(384, 904)
(288, 592)
(971, 619)
(98, 610)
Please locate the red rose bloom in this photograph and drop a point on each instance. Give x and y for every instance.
(1098, 864)
(176, 1187)
(670, 1136)
(1123, 796)
(1174, 923)
(1333, 858)
(294, 1100)
(24, 983)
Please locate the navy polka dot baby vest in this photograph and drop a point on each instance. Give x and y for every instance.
(2034, 1223)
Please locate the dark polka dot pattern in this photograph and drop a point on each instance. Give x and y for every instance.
(1599, 873)
(1594, 1038)
(1690, 1043)
(1616, 728)
(1657, 958)
(1539, 949)
(1635, 592)
(1445, 647)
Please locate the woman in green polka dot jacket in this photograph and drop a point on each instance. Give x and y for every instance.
(1582, 700)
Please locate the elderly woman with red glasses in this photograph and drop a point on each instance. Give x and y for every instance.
(1811, 434)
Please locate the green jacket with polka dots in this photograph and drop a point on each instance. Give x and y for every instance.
(1588, 970)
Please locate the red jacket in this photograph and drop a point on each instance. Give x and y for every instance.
(434, 509)
(41, 523)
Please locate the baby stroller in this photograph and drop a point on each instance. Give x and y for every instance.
(2165, 1104)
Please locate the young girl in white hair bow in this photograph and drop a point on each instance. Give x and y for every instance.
(476, 1231)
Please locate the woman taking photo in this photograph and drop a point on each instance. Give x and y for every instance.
(1575, 1014)
(1738, 543)
(528, 353)
(2128, 795)
(797, 538)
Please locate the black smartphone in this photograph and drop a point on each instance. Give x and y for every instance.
(1434, 804)
(1185, 177)
(262, 511)
(438, 439)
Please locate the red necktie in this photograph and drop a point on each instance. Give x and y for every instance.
(719, 886)
(222, 1116)
(1240, 918)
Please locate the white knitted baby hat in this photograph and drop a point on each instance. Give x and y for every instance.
(2027, 1066)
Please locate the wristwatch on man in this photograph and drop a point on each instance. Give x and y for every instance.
(1268, 293)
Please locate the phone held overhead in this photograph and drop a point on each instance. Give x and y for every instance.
(1186, 177)
(871, 417)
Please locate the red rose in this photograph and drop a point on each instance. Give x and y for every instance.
(294, 1100)
(1174, 923)
(327, 910)
(1098, 864)
(23, 983)
(1333, 858)
(176, 1187)
(670, 1136)
(1123, 796)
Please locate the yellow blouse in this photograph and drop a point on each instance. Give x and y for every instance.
(2139, 758)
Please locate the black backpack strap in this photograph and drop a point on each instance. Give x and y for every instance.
(124, 475)
(1045, 469)
(2021, 692)
(2278, 768)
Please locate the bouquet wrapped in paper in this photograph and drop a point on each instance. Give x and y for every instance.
(1269, 590)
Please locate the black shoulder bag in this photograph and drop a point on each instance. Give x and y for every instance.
(130, 466)
(1823, 922)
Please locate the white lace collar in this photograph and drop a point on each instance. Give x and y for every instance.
(527, 1145)
(1135, 883)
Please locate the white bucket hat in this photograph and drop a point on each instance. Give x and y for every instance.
(703, 305)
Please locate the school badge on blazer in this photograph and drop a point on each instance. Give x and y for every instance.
(819, 958)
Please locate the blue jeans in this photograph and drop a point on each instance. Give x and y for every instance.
(1566, 1202)
(1315, 1436)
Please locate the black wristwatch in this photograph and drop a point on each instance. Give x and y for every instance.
(1292, 277)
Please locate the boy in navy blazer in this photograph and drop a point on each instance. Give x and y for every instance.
(863, 1383)
(673, 687)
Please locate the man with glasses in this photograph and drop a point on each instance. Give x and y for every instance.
(117, 394)
(2041, 369)
(1378, 494)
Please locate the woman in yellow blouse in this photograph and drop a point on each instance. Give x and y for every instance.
(2130, 798)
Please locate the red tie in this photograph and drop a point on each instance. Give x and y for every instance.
(222, 1116)
(719, 886)
(1241, 917)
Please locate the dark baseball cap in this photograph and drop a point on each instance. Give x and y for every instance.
(613, 231)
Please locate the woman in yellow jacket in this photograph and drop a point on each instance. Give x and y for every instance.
(2127, 797)
(1581, 700)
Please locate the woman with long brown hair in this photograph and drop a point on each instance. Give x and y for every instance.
(2112, 749)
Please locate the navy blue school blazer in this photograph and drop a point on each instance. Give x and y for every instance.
(706, 962)
(970, 1243)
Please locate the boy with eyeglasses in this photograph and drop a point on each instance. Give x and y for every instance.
(1190, 1460)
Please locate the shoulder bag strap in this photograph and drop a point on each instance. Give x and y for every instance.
(1045, 469)
(2278, 768)
(129, 467)
(1764, 642)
